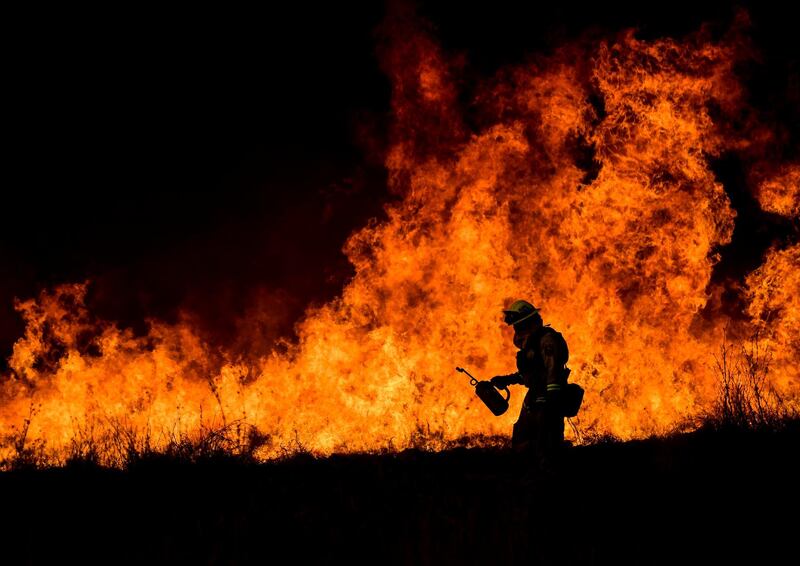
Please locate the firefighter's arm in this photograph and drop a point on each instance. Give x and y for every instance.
(503, 381)
(550, 353)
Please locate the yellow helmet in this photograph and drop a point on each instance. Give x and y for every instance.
(518, 311)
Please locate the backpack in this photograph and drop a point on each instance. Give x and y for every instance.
(572, 398)
(559, 338)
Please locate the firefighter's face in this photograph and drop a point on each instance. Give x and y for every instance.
(525, 329)
(519, 338)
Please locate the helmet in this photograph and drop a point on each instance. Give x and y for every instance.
(519, 311)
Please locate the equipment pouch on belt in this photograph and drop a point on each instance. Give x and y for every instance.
(573, 397)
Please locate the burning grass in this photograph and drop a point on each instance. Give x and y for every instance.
(746, 402)
(210, 498)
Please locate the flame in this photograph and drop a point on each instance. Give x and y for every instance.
(781, 193)
(618, 254)
(774, 293)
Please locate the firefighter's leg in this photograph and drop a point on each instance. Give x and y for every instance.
(549, 433)
(540, 442)
(521, 435)
(552, 439)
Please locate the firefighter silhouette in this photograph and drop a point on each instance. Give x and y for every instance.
(541, 367)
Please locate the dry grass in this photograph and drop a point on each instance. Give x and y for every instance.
(116, 444)
(747, 399)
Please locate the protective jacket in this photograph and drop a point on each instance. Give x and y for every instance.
(541, 367)
(541, 362)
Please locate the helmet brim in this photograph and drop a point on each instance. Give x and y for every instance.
(526, 317)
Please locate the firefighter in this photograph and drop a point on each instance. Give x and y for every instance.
(541, 367)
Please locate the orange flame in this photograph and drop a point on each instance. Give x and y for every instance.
(619, 258)
(781, 193)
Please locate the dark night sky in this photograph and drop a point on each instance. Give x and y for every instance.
(190, 158)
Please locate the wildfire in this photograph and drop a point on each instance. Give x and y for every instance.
(618, 251)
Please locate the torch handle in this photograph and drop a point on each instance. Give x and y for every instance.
(472, 380)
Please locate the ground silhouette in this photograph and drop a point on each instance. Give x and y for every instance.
(703, 497)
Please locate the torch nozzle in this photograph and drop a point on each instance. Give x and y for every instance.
(472, 379)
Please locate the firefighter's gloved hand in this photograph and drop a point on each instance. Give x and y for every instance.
(499, 381)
